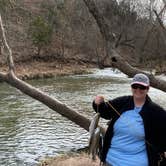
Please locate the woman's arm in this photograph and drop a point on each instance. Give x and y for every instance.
(110, 108)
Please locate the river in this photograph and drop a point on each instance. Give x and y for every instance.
(30, 131)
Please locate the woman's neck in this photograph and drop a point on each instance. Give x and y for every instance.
(139, 102)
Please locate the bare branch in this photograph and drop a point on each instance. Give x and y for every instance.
(6, 46)
(160, 21)
(163, 29)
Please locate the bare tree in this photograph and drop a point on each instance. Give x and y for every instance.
(115, 59)
(11, 78)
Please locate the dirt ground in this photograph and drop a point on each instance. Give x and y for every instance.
(74, 160)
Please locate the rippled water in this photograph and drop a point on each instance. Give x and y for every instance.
(30, 131)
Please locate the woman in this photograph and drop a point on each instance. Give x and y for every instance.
(137, 131)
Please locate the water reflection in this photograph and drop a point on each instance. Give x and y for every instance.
(29, 130)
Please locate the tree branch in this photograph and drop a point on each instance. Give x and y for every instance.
(163, 29)
(31, 91)
(6, 46)
(160, 22)
(52, 103)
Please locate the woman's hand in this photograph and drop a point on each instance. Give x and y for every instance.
(99, 99)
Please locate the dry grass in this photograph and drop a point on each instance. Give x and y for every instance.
(68, 160)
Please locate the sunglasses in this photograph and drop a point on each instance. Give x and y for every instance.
(141, 87)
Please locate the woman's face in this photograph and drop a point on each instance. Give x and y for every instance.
(139, 91)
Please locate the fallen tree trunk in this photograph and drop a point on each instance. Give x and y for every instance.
(31, 91)
(52, 103)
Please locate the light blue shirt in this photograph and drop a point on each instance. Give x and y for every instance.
(128, 143)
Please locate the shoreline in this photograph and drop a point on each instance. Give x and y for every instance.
(40, 70)
(76, 159)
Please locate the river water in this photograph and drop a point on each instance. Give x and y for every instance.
(30, 131)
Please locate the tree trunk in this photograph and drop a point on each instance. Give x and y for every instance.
(31, 91)
(52, 103)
